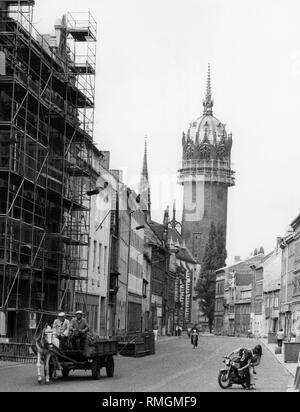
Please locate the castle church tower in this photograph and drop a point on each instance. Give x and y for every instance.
(205, 175)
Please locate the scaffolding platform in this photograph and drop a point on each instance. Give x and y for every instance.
(46, 135)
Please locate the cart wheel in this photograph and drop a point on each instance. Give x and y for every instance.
(96, 366)
(65, 372)
(110, 366)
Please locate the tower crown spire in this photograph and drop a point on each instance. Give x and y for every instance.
(208, 101)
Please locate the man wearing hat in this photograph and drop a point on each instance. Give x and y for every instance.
(61, 327)
(78, 329)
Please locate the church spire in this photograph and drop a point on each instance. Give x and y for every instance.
(145, 163)
(208, 102)
(144, 187)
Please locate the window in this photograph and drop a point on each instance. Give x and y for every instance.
(297, 250)
(95, 254)
(296, 284)
(100, 257)
(145, 283)
(276, 301)
(105, 261)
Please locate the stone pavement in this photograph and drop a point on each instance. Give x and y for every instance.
(175, 367)
(290, 367)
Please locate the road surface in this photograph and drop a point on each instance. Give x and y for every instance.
(175, 367)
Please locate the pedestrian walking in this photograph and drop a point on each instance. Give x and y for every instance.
(280, 338)
(155, 331)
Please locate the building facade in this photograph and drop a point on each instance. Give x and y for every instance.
(219, 302)
(271, 266)
(257, 313)
(290, 281)
(234, 293)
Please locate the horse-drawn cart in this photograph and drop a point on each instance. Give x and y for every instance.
(93, 357)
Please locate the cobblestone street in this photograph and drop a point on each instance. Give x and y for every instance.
(175, 367)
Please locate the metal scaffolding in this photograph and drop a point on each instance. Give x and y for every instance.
(47, 92)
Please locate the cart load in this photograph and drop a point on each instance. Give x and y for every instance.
(97, 354)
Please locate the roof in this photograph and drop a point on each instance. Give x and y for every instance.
(296, 222)
(174, 238)
(242, 272)
(158, 229)
(259, 266)
(244, 263)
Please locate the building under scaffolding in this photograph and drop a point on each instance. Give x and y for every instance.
(47, 90)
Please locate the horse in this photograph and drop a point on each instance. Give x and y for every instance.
(45, 346)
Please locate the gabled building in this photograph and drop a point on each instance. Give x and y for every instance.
(234, 293)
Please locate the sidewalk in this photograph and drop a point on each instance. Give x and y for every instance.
(290, 367)
(9, 364)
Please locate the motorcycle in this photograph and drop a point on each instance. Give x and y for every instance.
(230, 375)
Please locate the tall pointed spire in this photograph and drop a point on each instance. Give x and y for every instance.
(174, 211)
(145, 163)
(208, 102)
(144, 187)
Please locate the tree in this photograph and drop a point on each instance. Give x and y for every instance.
(255, 252)
(214, 258)
(261, 250)
(221, 241)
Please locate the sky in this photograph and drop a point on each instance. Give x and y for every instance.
(152, 59)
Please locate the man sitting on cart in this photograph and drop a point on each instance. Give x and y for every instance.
(78, 330)
(61, 327)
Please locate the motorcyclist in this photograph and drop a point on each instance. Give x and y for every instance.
(256, 358)
(245, 363)
(244, 357)
(194, 332)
